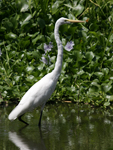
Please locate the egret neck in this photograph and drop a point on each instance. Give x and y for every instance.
(58, 64)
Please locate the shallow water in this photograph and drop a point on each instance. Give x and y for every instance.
(64, 127)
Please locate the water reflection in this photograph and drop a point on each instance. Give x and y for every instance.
(64, 126)
(25, 143)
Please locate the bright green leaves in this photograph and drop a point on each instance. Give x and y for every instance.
(90, 55)
(29, 69)
(106, 87)
(17, 78)
(25, 19)
(106, 104)
(77, 56)
(105, 71)
(55, 6)
(10, 36)
(24, 7)
(39, 37)
(31, 79)
(94, 88)
(78, 9)
(41, 67)
(99, 75)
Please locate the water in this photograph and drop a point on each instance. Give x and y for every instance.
(64, 127)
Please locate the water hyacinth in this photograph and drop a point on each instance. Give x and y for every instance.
(48, 47)
(69, 46)
(44, 60)
(0, 52)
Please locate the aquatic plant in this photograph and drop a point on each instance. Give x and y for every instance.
(87, 74)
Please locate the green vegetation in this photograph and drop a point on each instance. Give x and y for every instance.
(87, 73)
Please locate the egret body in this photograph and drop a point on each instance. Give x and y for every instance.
(41, 91)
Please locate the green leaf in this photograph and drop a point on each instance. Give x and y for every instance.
(41, 22)
(1, 100)
(110, 60)
(17, 78)
(80, 72)
(53, 59)
(25, 19)
(65, 64)
(109, 97)
(24, 43)
(39, 37)
(7, 24)
(62, 78)
(111, 78)
(33, 35)
(55, 6)
(106, 87)
(92, 90)
(78, 9)
(111, 38)
(105, 71)
(50, 68)
(2, 69)
(14, 21)
(106, 104)
(11, 35)
(94, 87)
(41, 66)
(99, 74)
(29, 68)
(30, 78)
(94, 83)
(69, 6)
(71, 16)
(78, 55)
(90, 55)
(24, 7)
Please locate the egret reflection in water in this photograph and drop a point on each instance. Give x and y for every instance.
(24, 143)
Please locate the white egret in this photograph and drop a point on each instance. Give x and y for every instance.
(41, 91)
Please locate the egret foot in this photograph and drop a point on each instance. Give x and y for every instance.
(20, 119)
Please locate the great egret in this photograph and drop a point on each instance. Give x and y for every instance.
(41, 91)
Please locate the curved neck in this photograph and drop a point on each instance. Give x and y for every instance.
(58, 64)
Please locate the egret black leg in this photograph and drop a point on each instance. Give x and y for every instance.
(39, 124)
(20, 119)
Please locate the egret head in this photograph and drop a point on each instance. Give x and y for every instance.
(62, 21)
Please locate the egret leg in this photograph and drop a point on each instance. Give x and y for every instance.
(20, 119)
(39, 124)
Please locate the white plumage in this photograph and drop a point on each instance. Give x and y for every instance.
(36, 96)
